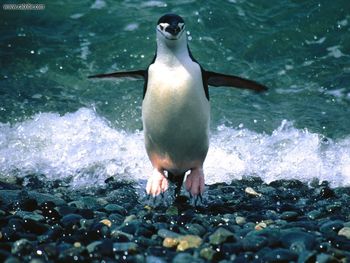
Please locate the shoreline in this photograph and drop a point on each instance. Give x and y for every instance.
(245, 221)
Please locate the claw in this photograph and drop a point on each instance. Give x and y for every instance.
(195, 182)
(157, 183)
(196, 200)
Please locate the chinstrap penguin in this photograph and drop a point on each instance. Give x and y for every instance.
(176, 109)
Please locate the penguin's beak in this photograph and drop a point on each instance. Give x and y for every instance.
(173, 29)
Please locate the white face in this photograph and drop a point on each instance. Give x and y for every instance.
(171, 32)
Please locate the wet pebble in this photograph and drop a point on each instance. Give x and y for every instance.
(280, 255)
(254, 242)
(345, 231)
(245, 221)
(220, 236)
(70, 220)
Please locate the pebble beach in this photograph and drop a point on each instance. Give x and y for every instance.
(244, 221)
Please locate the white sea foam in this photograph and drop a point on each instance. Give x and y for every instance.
(99, 4)
(83, 146)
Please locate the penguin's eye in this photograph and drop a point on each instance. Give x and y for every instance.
(161, 27)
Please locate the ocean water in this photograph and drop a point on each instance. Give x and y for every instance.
(54, 122)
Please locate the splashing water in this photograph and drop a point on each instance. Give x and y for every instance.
(83, 147)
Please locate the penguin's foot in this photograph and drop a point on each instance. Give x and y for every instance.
(157, 183)
(195, 182)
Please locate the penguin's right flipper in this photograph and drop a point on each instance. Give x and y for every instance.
(137, 74)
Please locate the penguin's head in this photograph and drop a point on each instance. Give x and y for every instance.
(170, 27)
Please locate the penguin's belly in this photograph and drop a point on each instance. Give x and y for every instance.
(176, 115)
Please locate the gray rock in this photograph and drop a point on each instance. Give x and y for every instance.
(240, 220)
(220, 236)
(345, 231)
(195, 229)
(30, 215)
(125, 246)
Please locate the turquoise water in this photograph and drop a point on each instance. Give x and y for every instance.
(56, 122)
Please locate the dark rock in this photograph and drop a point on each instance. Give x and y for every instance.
(9, 196)
(98, 230)
(86, 213)
(16, 224)
(30, 216)
(333, 207)
(325, 192)
(73, 254)
(331, 227)
(22, 247)
(272, 235)
(154, 259)
(117, 219)
(289, 215)
(63, 210)
(35, 227)
(145, 231)
(49, 212)
(254, 242)
(9, 234)
(147, 242)
(232, 247)
(307, 256)
(130, 247)
(4, 254)
(298, 238)
(195, 229)
(28, 204)
(287, 184)
(167, 233)
(325, 258)
(42, 198)
(70, 220)
(121, 236)
(314, 214)
(186, 258)
(105, 248)
(131, 227)
(185, 217)
(9, 259)
(280, 255)
(54, 233)
(114, 208)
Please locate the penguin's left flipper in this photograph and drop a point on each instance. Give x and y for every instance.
(218, 79)
(137, 74)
